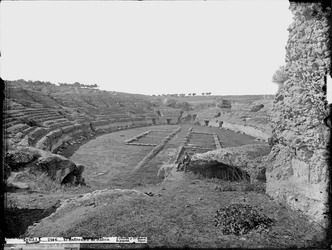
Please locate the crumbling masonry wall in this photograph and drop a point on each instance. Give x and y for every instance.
(297, 167)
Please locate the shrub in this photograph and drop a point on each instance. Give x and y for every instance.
(239, 219)
(280, 76)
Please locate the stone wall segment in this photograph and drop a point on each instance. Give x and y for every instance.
(297, 170)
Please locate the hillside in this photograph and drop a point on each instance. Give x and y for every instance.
(36, 109)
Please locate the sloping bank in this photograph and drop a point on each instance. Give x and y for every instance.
(249, 130)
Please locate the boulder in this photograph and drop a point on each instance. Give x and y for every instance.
(56, 166)
(246, 161)
(165, 170)
(18, 185)
(19, 158)
(257, 108)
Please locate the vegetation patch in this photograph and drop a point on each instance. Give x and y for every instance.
(239, 219)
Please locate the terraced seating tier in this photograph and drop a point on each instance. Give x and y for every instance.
(37, 134)
(67, 129)
(11, 123)
(150, 115)
(83, 118)
(103, 122)
(46, 118)
(27, 131)
(60, 124)
(55, 138)
(51, 122)
(138, 118)
(29, 112)
(8, 120)
(17, 128)
(125, 119)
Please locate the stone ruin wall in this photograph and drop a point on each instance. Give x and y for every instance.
(297, 167)
(54, 139)
(262, 133)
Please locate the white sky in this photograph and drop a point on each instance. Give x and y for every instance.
(147, 47)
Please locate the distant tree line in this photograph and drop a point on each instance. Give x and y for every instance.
(42, 83)
(79, 85)
(182, 95)
(38, 83)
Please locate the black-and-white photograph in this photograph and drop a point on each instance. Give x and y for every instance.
(166, 124)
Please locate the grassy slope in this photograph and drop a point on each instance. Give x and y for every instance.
(180, 213)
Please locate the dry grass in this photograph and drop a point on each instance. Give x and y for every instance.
(181, 213)
(41, 182)
(240, 185)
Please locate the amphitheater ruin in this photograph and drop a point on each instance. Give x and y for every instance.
(107, 151)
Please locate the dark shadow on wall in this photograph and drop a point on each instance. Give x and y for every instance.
(18, 220)
(328, 4)
(328, 122)
(219, 170)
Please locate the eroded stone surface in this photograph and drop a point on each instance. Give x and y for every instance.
(166, 170)
(297, 171)
(57, 167)
(247, 158)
